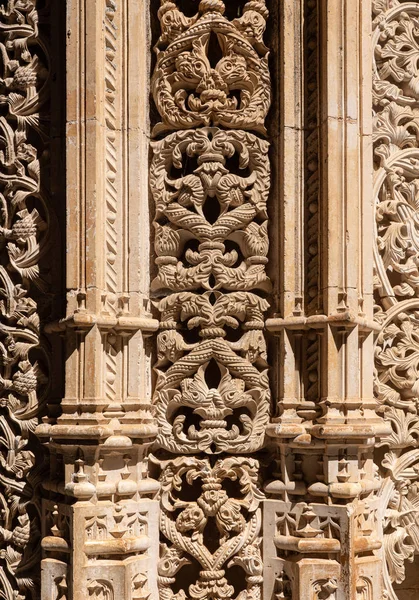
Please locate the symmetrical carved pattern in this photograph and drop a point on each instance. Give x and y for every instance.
(25, 234)
(210, 187)
(197, 215)
(396, 138)
(192, 86)
(236, 519)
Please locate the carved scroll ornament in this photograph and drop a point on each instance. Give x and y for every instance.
(237, 520)
(210, 180)
(192, 87)
(197, 215)
(396, 137)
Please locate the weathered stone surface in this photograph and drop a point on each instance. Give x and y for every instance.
(238, 411)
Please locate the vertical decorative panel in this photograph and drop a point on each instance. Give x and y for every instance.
(396, 180)
(27, 229)
(210, 181)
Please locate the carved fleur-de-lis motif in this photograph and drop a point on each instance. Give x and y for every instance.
(186, 374)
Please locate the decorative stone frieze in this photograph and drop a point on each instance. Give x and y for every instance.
(184, 369)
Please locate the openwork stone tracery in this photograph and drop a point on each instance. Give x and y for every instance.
(210, 183)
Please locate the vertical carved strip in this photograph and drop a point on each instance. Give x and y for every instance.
(111, 163)
(26, 229)
(111, 192)
(396, 154)
(100, 533)
(322, 506)
(210, 182)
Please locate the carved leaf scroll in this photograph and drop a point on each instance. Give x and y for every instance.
(395, 90)
(25, 233)
(210, 181)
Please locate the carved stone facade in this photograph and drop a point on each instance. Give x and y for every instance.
(209, 299)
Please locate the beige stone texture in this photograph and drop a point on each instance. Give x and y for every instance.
(209, 300)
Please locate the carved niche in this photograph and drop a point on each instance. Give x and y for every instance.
(396, 153)
(209, 181)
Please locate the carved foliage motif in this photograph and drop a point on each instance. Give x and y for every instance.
(211, 237)
(24, 237)
(235, 516)
(210, 180)
(210, 206)
(396, 131)
(193, 85)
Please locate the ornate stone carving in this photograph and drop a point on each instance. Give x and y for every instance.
(396, 137)
(193, 86)
(210, 188)
(236, 517)
(186, 375)
(25, 236)
(211, 207)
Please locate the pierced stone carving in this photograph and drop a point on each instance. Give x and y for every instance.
(192, 87)
(242, 389)
(197, 215)
(396, 55)
(236, 517)
(401, 524)
(211, 205)
(210, 187)
(25, 235)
